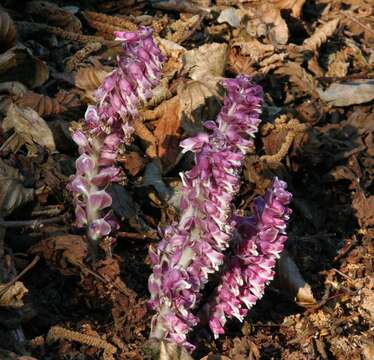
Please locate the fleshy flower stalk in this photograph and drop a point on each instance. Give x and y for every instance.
(193, 248)
(107, 127)
(261, 239)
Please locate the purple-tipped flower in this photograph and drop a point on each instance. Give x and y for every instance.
(107, 127)
(193, 249)
(260, 241)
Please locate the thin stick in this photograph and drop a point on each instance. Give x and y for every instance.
(31, 223)
(358, 22)
(23, 272)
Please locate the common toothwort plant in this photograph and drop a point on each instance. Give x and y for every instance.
(193, 248)
(107, 127)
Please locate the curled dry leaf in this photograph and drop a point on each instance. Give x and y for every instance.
(290, 279)
(42, 104)
(12, 192)
(270, 16)
(321, 35)
(215, 357)
(18, 64)
(63, 251)
(294, 5)
(11, 296)
(348, 93)
(231, 16)
(169, 351)
(7, 31)
(303, 82)
(206, 62)
(90, 78)
(364, 207)
(29, 126)
(52, 14)
(254, 49)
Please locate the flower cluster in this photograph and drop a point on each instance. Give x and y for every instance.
(193, 248)
(107, 127)
(260, 241)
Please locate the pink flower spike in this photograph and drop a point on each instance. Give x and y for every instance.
(250, 268)
(107, 127)
(193, 249)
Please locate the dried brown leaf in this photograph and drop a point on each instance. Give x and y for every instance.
(207, 61)
(18, 64)
(215, 357)
(364, 207)
(291, 280)
(29, 126)
(90, 78)
(11, 296)
(302, 83)
(271, 16)
(321, 35)
(7, 31)
(338, 64)
(348, 93)
(170, 351)
(12, 192)
(52, 14)
(294, 5)
(63, 251)
(254, 49)
(42, 104)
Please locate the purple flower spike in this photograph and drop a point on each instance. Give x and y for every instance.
(193, 249)
(250, 269)
(107, 127)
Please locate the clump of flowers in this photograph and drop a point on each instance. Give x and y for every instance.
(107, 127)
(194, 248)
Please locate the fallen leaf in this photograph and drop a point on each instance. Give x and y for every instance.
(18, 64)
(63, 251)
(29, 126)
(12, 192)
(290, 280)
(52, 14)
(7, 31)
(294, 5)
(271, 16)
(348, 93)
(90, 78)
(231, 16)
(11, 296)
(364, 207)
(215, 357)
(206, 62)
(171, 351)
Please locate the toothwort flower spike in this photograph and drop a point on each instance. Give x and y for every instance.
(250, 269)
(107, 127)
(193, 248)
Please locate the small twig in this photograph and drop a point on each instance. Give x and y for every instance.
(342, 274)
(23, 272)
(125, 234)
(31, 223)
(358, 22)
(53, 210)
(323, 301)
